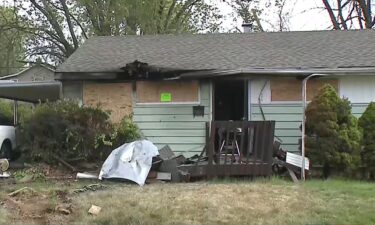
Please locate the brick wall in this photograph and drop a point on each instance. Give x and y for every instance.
(116, 97)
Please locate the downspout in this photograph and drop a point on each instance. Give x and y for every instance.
(15, 113)
(304, 95)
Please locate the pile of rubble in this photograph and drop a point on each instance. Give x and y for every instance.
(287, 164)
(141, 162)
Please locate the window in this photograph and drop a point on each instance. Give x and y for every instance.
(358, 89)
(167, 92)
(290, 89)
(6, 120)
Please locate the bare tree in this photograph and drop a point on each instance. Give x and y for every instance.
(254, 11)
(53, 31)
(349, 14)
(55, 28)
(282, 15)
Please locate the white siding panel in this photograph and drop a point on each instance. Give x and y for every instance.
(358, 89)
(174, 124)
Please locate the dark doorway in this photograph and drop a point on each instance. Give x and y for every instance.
(230, 100)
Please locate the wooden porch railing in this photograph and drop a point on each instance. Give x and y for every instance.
(239, 148)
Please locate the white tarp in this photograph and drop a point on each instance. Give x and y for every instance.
(131, 161)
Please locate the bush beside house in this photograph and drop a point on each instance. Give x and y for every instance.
(6, 111)
(333, 136)
(367, 123)
(66, 131)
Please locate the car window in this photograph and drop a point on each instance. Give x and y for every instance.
(5, 120)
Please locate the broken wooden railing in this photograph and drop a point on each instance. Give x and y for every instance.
(236, 148)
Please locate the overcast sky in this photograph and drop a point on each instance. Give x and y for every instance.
(304, 15)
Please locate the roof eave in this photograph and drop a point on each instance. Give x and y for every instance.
(278, 72)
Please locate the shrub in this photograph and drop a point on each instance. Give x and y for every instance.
(333, 137)
(64, 130)
(367, 123)
(73, 133)
(6, 113)
(126, 131)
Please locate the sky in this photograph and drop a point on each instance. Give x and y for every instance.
(304, 15)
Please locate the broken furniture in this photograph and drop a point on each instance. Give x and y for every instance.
(288, 163)
(229, 144)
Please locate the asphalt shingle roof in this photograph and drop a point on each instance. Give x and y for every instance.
(307, 49)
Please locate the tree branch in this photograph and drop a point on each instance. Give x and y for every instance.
(343, 22)
(46, 11)
(366, 13)
(334, 21)
(185, 7)
(70, 25)
(169, 15)
(257, 20)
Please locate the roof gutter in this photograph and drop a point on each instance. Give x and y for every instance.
(278, 72)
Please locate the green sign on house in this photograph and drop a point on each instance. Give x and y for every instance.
(165, 97)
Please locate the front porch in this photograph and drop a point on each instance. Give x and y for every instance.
(235, 148)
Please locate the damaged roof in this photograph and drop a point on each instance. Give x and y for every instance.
(278, 50)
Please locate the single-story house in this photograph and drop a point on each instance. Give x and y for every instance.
(37, 72)
(174, 84)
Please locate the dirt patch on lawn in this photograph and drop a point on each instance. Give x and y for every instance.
(32, 207)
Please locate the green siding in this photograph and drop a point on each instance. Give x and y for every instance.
(288, 120)
(174, 124)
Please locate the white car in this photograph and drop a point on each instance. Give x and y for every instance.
(7, 137)
(7, 134)
(7, 140)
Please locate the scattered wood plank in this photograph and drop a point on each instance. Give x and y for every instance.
(16, 192)
(292, 175)
(64, 163)
(164, 176)
(170, 166)
(166, 153)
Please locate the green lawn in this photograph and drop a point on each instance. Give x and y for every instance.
(264, 201)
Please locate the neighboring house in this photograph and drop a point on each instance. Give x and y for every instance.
(37, 72)
(166, 81)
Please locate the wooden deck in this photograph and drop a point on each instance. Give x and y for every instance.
(236, 148)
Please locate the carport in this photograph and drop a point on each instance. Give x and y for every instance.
(32, 92)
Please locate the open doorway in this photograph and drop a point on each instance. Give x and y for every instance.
(230, 100)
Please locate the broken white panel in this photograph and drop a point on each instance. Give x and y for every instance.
(130, 161)
(296, 160)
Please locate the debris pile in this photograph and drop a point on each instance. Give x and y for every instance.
(141, 162)
(285, 162)
(165, 167)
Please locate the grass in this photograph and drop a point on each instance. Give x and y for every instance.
(345, 202)
(228, 202)
(263, 201)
